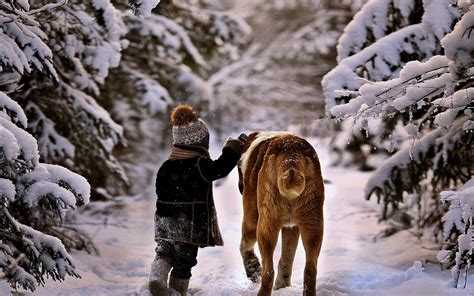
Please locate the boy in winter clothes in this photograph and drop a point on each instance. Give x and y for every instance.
(185, 216)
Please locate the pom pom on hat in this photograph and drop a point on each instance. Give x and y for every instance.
(183, 115)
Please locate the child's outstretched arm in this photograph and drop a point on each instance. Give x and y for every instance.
(212, 170)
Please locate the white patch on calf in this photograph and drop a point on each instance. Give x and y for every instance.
(261, 137)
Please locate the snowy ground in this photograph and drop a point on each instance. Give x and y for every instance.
(350, 262)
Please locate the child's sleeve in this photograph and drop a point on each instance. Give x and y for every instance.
(212, 170)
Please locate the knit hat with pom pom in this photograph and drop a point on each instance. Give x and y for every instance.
(188, 129)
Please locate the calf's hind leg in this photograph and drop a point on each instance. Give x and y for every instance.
(290, 237)
(312, 240)
(267, 240)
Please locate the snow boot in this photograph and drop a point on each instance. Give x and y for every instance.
(180, 285)
(159, 277)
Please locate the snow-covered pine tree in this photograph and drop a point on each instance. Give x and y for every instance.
(168, 59)
(76, 42)
(48, 78)
(415, 77)
(169, 56)
(376, 44)
(32, 191)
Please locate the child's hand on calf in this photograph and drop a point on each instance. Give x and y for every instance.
(236, 144)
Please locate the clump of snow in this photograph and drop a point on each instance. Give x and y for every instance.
(12, 109)
(8, 144)
(439, 18)
(42, 189)
(23, 140)
(446, 118)
(61, 176)
(7, 190)
(146, 6)
(75, 181)
(458, 44)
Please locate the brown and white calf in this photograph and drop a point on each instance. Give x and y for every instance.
(282, 188)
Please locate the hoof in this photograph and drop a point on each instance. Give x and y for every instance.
(158, 288)
(282, 282)
(253, 270)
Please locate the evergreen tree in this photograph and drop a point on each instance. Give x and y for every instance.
(414, 75)
(168, 59)
(34, 196)
(37, 193)
(75, 43)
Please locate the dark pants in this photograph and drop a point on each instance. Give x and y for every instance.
(181, 256)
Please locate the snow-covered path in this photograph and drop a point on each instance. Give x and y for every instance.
(350, 262)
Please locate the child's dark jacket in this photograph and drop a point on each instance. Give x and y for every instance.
(185, 210)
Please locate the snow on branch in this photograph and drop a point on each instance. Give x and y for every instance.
(173, 41)
(108, 131)
(12, 111)
(387, 55)
(7, 191)
(143, 7)
(417, 81)
(23, 44)
(93, 47)
(54, 174)
(399, 160)
(52, 145)
(459, 45)
(28, 148)
(459, 218)
(402, 171)
(42, 189)
(375, 21)
(150, 92)
(50, 254)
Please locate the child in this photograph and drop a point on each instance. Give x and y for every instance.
(185, 216)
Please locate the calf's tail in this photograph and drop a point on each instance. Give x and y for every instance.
(291, 182)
